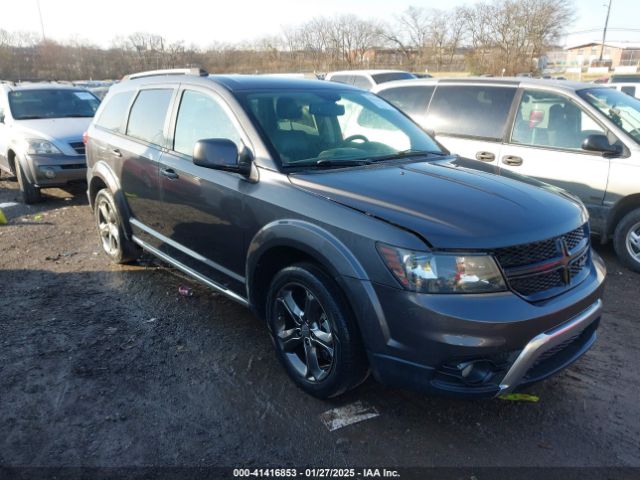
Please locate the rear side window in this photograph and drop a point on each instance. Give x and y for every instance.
(629, 90)
(361, 81)
(200, 117)
(114, 112)
(411, 100)
(342, 79)
(148, 114)
(476, 111)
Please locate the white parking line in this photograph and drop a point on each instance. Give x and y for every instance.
(348, 415)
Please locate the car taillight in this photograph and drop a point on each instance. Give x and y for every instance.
(85, 138)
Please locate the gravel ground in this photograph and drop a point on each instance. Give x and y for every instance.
(104, 365)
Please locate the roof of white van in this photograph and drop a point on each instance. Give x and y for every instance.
(365, 72)
(516, 81)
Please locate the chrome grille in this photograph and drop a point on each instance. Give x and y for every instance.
(78, 147)
(540, 270)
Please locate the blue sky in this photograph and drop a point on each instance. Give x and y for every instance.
(204, 22)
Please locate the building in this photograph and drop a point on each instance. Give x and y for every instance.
(614, 55)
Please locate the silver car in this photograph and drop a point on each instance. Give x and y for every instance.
(41, 128)
(582, 137)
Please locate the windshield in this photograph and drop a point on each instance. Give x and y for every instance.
(52, 103)
(620, 108)
(391, 76)
(336, 129)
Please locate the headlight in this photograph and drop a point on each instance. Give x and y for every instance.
(427, 272)
(36, 146)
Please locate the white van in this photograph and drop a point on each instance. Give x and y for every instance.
(582, 137)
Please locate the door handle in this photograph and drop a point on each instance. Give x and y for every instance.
(485, 156)
(169, 173)
(116, 152)
(512, 160)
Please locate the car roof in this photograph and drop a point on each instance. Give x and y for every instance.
(566, 85)
(364, 72)
(237, 83)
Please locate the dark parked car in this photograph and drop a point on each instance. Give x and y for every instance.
(336, 219)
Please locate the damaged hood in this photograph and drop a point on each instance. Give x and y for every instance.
(450, 206)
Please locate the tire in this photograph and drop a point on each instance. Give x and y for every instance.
(111, 231)
(309, 319)
(626, 240)
(30, 194)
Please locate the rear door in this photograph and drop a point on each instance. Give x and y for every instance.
(139, 154)
(545, 143)
(471, 120)
(204, 213)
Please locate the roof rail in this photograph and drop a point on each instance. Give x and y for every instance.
(172, 71)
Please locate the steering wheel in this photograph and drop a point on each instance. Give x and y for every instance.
(355, 137)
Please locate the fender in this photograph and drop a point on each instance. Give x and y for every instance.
(104, 172)
(336, 258)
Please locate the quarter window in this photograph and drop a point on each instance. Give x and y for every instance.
(201, 117)
(549, 120)
(476, 111)
(148, 114)
(114, 112)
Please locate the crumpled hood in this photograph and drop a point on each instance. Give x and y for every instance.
(52, 129)
(449, 206)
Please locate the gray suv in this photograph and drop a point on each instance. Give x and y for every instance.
(362, 244)
(41, 128)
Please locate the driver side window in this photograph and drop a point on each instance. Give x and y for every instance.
(201, 117)
(548, 120)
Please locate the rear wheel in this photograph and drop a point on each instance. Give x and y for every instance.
(314, 332)
(112, 237)
(29, 192)
(626, 240)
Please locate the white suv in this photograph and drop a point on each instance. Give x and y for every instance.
(582, 137)
(367, 79)
(41, 127)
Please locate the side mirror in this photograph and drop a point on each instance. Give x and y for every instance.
(598, 142)
(1, 116)
(221, 154)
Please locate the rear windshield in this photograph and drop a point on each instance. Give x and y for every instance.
(52, 103)
(391, 76)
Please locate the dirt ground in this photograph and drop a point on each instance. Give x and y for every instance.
(103, 365)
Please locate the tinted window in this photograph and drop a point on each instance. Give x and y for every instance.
(624, 78)
(114, 112)
(549, 120)
(411, 100)
(390, 77)
(148, 115)
(52, 103)
(361, 81)
(201, 117)
(629, 90)
(479, 111)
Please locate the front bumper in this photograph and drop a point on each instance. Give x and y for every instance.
(424, 342)
(57, 170)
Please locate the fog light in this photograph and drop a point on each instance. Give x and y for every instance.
(475, 372)
(48, 172)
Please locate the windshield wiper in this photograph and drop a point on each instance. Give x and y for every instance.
(76, 115)
(404, 154)
(326, 162)
(30, 117)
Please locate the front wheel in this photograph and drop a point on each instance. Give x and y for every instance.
(30, 193)
(314, 333)
(112, 237)
(626, 240)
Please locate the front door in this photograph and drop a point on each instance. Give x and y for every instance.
(546, 141)
(204, 213)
